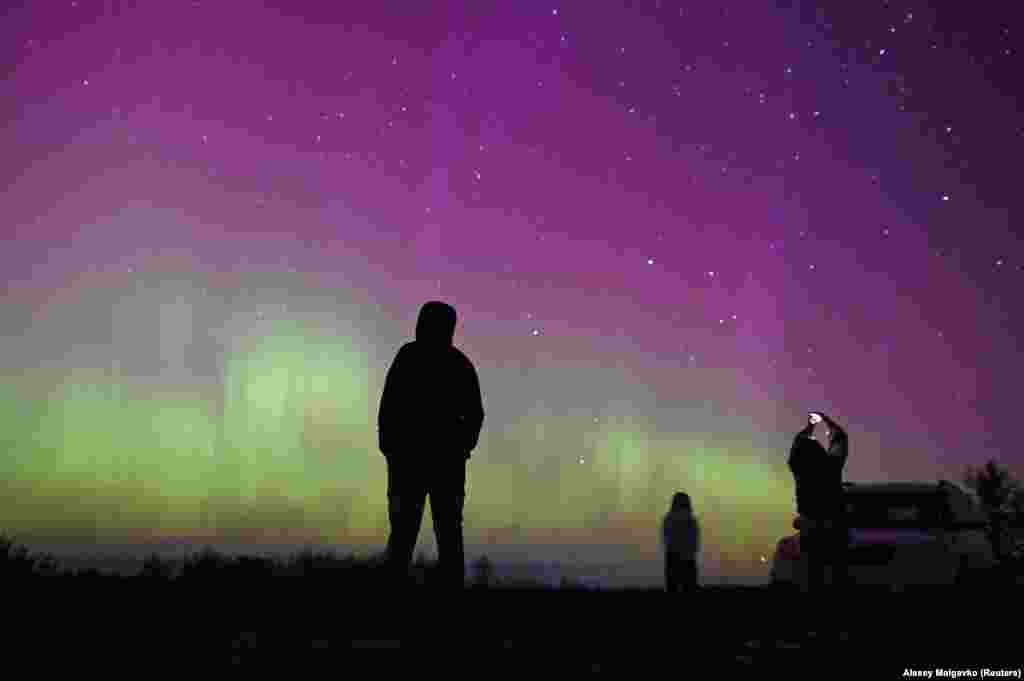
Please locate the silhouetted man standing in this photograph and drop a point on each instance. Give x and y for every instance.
(430, 417)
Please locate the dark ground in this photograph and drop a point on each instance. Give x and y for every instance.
(289, 626)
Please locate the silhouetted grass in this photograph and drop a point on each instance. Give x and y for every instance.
(317, 568)
(16, 562)
(209, 567)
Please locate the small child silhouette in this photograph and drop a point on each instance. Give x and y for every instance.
(680, 534)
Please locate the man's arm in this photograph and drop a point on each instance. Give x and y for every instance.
(472, 416)
(388, 402)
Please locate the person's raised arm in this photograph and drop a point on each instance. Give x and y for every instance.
(806, 432)
(839, 442)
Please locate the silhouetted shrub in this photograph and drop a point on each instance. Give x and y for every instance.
(252, 568)
(313, 565)
(206, 565)
(16, 561)
(483, 573)
(90, 573)
(155, 567)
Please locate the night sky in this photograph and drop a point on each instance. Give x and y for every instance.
(669, 230)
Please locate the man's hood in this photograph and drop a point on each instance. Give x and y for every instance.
(436, 324)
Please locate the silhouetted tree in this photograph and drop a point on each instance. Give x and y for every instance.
(1001, 495)
(994, 485)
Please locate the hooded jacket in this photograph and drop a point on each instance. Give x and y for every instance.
(680, 531)
(818, 472)
(431, 403)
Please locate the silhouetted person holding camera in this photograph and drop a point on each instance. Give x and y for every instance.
(430, 417)
(680, 535)
(817, 466)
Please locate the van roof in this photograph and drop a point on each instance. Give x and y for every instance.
(902, 487)
(895, 486)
